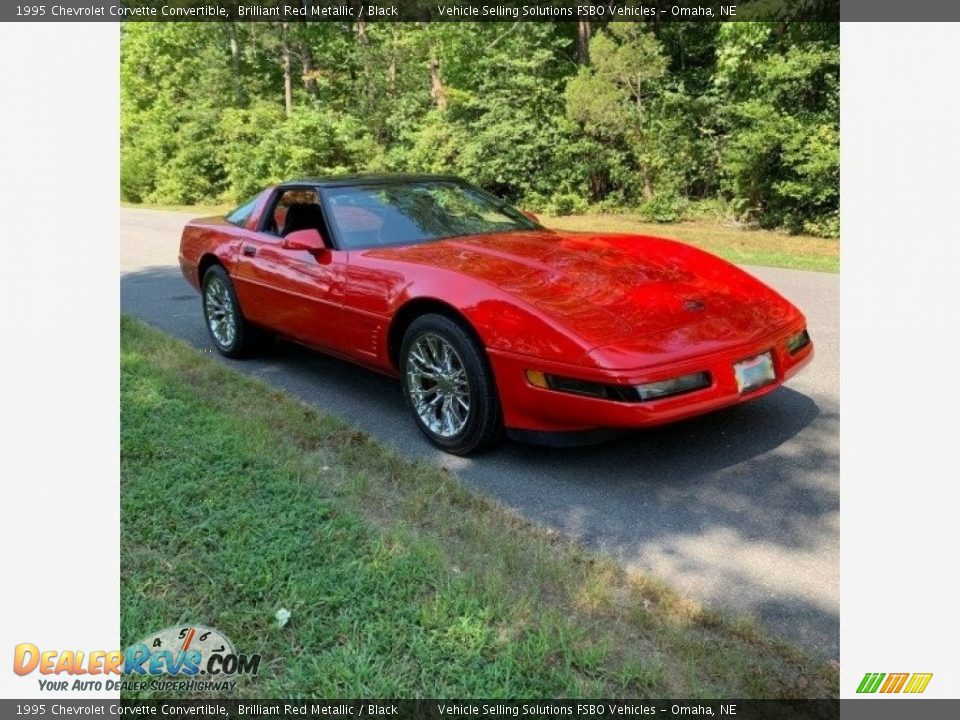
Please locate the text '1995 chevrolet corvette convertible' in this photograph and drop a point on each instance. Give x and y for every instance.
(492, 322)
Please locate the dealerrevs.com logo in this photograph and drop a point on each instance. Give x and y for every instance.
(195, 657)
(911, 683)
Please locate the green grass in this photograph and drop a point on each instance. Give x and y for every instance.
(195, 210)
(238, 500)
(737, 244)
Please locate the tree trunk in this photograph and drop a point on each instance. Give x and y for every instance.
(238, 94)
(309, 71)
(392, 76)
(437, 92)
(287, 77)
(367, 93)
(392, 66)
(309, 75)
(584, 31)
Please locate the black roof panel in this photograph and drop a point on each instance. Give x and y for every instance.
(366, 178)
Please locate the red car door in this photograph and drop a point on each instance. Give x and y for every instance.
(293, 292)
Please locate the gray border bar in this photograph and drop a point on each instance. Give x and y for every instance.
(538, 709)
(652, 11)
(858, 709)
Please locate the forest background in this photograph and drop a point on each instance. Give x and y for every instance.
(736, 121)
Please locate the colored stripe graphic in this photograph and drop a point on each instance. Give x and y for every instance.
(870, 682)
(894, 682)
(918, 682)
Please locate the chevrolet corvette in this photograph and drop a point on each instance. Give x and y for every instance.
(493, 323)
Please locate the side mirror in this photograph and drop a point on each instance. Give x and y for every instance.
(310, 240)
(531, 216)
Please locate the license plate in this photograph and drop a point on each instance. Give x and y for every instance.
(754, 373)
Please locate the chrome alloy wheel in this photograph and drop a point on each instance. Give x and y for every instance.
(220, 312)
(437, 385)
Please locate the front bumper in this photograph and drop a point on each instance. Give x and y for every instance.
(535, 409)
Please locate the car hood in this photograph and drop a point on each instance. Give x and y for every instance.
(610, 288)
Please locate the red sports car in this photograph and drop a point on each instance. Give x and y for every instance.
(492, 322)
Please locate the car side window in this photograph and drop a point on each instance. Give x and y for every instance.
(296, 209)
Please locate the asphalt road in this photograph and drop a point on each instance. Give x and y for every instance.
(738, 509)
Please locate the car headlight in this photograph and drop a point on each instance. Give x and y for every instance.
(674, 386)
(620, 393)
(798, 342)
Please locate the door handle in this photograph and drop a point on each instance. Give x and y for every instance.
(249, 250)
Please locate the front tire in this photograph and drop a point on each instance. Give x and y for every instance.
(231, 334)
(449, 387)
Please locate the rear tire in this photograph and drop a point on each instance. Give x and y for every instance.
(449, 386)
(230, 332)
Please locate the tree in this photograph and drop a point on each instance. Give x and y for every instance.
(553, 116)
(778, 113)
(608, 97)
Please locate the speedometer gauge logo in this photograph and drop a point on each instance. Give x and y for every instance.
(188, 650)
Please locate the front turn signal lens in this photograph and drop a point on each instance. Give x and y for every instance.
(537, 379)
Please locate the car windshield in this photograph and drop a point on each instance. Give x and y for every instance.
(402, 214)
(240, 216)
